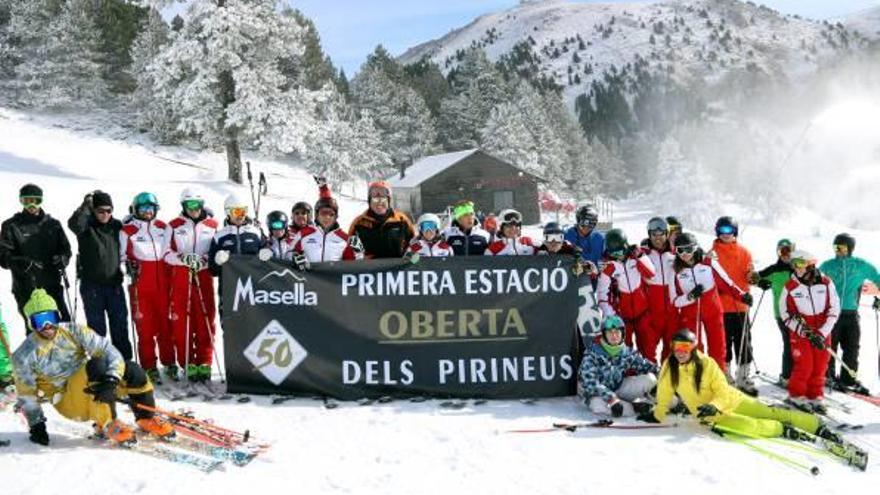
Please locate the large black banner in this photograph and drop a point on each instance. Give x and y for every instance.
(457, 327)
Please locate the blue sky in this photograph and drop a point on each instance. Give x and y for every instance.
(351, 29)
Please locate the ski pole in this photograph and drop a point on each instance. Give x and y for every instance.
(842, 364)
(68, 301)
(876, 307)
(250, 178)
(748, 329)
(187, 344)
(210, 328)
(76, 288)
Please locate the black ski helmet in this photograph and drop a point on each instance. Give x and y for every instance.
(686, 239)
(587, 214)
(276, 220)
(726, 223)
(552, 228)
(685, 335)
(658, 223)
(847, 240)
(302, 206)
(673, 223)
(615, 242)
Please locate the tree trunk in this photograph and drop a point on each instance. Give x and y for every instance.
(233, 157)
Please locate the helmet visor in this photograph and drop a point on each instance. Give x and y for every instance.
(193, 204)
(512, 217)
(44, 319)
(725, 230)
(278, 225)
(428, 225)
(555, 238)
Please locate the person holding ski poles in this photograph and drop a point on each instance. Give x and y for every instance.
(809, 307)
(662, 314)
(848, 273)
(99, 269)
(34, 247)
(701, 385)
(193, 309)
(694, 290)
(775, 277)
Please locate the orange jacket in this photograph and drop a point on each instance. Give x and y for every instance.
(737, 262)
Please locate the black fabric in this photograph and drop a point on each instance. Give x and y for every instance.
(103, 304)
(472, 242)
(786, 349)
(96, 369)
(38, 434)
(734, 324)
(846, 335)
(30, 190)
(383, 237)
(779, 266)
(28, 244)
(101, 199)
(99, 260)
(134, 376)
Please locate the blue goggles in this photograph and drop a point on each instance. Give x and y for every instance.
(428, 225)
(726, 229)
(146, 209)
(43, 319)
(278, 225)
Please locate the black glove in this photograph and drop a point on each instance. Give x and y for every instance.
(356, 245)
(59, 261)
(105, 390)
(87, 200)
(706, 410)
(747, 299)
(647, 417)
(876, 304)
(696, 293)
(816, 340)
(300, 261)
(617, 409)
(38, 433)
(764, 284)
(133, 267)
(633, 251)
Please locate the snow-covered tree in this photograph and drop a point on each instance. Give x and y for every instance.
(56, 54)
(221, 74)
(683, 189)
(397, 111)
(507, 136)
(154, 113)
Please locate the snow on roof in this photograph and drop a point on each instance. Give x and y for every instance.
(427, 167)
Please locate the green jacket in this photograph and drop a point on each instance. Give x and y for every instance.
(778, 274)
(848, 274)
(5, 358)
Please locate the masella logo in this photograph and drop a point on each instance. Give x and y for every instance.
(294, 295)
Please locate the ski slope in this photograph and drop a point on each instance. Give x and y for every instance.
(399, 447)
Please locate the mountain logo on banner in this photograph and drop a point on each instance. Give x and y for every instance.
(295, 294)
(275, 353)
(283, 273)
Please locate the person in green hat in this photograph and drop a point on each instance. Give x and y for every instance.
(464, 236)
(775, 277)
(81, 374)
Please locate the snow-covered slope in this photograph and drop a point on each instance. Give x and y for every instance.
(690, 39)
(866, 22)
(399, 447)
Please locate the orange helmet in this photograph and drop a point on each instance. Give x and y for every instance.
(378, 188)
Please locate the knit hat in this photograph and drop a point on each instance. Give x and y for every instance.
(462, 209)
(100, 198)
(325, 200)
(30, 191)
(40, 301)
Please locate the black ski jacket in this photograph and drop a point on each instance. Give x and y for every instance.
(35, 249)
(98, 247)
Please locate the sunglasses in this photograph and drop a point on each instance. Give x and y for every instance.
(146, 209)
(685, 249)
(31, 200)
(237, 212)
(685, 347)
(428, 225)
(279, 225)
(193, 204)
(44, 319)
(553, 238)
(103, 211)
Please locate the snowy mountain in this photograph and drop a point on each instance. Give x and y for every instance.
(704, 40)
(867, 22)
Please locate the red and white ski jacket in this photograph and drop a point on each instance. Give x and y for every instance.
(190, 237)
(627, 276)
(436, 249)
(147, 244)
(663, 262)
(818, 305)
(707, 273)
(318, 246)
(521, 246)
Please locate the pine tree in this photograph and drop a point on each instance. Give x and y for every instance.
(507, 136)
(221, 73)
(155, 111)
(311, 67)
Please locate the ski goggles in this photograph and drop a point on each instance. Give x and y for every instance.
(588, 222)
(684, 347)
(379, 192)
(44, 319)
(193, 204)
(800, 263)
(674, 228)
(689, 249)
(148, 208)
(278, 225)
(658, 232)
(512, 217)
(725, 230)
(237, 211)
(31, 200)
(553, 238)
(617, 253)
(428, 225)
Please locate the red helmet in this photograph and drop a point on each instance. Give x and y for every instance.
(379, 188)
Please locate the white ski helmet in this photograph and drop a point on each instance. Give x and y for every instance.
(428, 217)
(233, 201)
(801, 256)
(510, 216)
(191, 194)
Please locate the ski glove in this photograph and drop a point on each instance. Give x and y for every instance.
(707, 410)
(747, 299)
(633, 251)
(221, 257)
(876, 304)
(105, 390)
(38, 433)
(59, 261)
(265, 254)
(648, 417)
(816, 340)
(764, 284)
(696, 293)
(300, 261)
(356, 245)
(193, 261)
(617, 409)
(133, 267)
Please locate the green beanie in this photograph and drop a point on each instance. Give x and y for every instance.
(462, 209)
(40, 301)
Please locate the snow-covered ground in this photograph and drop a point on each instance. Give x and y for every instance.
(400, 447)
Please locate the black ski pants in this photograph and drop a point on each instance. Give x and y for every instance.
(846, 335)
(106, 304)
(734, 326)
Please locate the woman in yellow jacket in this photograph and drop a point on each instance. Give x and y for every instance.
(703, 388)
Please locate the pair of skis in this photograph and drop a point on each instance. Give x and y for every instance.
(601, 423)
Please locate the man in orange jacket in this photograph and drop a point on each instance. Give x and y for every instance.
(737, 262)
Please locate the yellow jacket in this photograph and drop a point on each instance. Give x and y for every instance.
(713, 388)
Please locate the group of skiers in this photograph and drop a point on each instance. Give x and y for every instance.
(667, 293)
